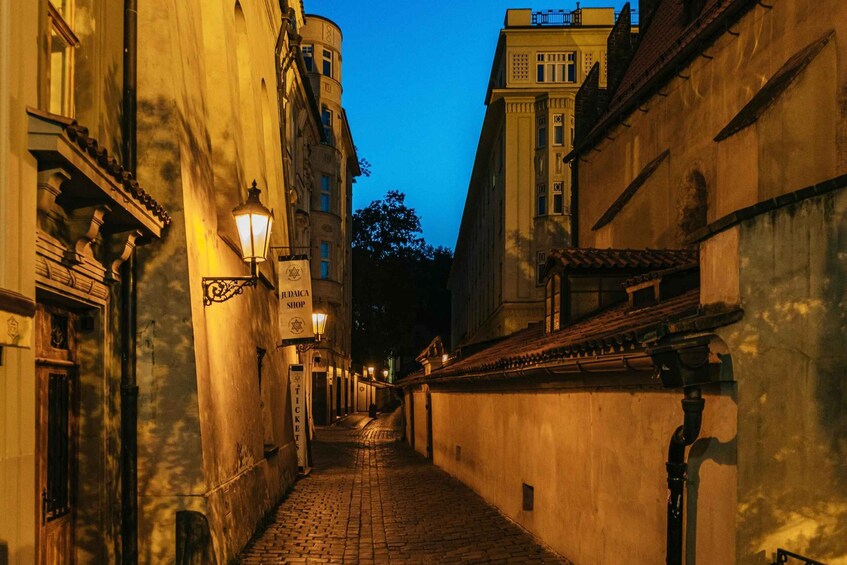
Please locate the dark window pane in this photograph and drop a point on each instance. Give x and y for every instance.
(558, 204)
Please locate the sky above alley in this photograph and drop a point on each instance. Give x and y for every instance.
(414, 75)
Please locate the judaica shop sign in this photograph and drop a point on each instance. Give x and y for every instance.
(297, 382)
(295, 299)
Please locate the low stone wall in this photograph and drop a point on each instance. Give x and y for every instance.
(595, 460)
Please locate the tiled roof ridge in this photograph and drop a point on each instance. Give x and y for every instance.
(622, 257)
(79, 134)
(617, 331)
(653, 275)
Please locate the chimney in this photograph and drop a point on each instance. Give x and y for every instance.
(620, 47)
(589, 104)
(646, 9)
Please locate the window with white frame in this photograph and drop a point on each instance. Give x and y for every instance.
(541, 199)
(60, 69)
(326, 193)
(558, 198)
(309, 56)
(556, 67)
(326, 259)
(558, 129)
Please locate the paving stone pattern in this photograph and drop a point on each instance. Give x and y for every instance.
(371, 499)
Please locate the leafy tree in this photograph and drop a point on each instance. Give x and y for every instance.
(400, 296)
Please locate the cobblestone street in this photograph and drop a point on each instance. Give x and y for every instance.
(371, 499)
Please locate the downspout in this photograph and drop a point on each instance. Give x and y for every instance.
(683, 436)
(129, 388)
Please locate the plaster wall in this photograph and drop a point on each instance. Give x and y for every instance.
(595, 459)
(797, 141)
(212, 439)
(789, 354)
(18, 89)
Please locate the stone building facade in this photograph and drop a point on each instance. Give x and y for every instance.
(140, 421)
(518, 202)
(328, 204)
(683, 400)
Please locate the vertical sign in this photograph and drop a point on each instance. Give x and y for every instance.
(295, 299)
(297, 382)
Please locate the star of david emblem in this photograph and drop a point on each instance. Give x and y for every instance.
(13, 327)
(293, 273)
(296, 325)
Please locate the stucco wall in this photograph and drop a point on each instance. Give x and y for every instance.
(18, 89)
(797, 141)
(789, 357)
(204, 420)
(596, 460)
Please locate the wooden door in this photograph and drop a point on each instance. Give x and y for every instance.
(319, 401)
(56, 434)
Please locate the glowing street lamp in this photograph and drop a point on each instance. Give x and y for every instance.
(319, 324)
(385, 374)
(254, 222)
(370, 372)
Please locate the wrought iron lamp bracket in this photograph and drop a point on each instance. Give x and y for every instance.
(221, 289)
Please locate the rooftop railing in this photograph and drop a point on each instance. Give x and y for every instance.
(555, 18)
(566, 18)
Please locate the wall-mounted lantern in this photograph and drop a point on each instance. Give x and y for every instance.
(254, 222)
(319, 324)
(370, 373)
(385, 374)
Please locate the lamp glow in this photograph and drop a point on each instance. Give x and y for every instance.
(319, 323)
(254, 222)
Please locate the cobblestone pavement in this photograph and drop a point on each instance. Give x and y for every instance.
(371, 499)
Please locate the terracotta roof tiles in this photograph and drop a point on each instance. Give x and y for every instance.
(615, 329)
(588, 258)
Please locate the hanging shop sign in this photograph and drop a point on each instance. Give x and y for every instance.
(297, 382)
(295, 299)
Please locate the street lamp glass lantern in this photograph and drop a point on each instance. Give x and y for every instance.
(370, 372)
(254, 222)
(385, 373)
(319, 323)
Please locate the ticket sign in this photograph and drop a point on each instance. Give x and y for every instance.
(295, 299)
(297, 382)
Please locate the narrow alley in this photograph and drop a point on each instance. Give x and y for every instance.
(371, 499)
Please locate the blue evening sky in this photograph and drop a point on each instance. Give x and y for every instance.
(415, 74)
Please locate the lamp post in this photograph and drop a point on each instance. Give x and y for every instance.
(254, 222)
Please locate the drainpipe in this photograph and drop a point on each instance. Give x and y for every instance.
(129, 388)
(685, 435)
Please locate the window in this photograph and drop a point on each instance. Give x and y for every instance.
(542, 132)
(541, 200)
(548, 306)
(540, 261)
(558, 198)
(63, 40)
(309, 57)
(326, 257)
(558, 129)
(327, 59)
(326, 193)
(326, 119)
(556, 67)
(557, 302)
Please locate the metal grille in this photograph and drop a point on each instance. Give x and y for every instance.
(58, 331)
(57, 497)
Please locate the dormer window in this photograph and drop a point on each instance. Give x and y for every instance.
(553, 304)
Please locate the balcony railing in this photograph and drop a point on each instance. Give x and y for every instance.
(555, 18)
(564, 18)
